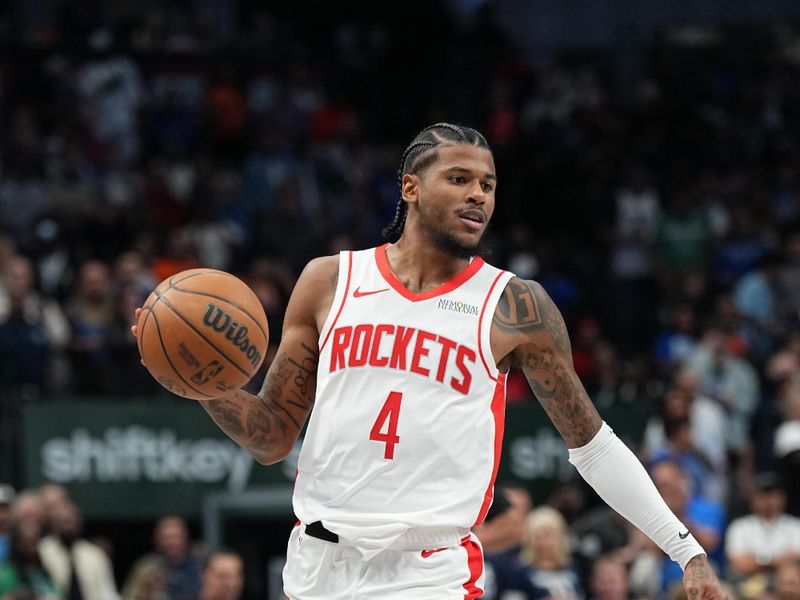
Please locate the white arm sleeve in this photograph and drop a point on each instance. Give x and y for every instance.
(619, 478)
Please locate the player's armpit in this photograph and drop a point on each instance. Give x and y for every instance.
(528, 317)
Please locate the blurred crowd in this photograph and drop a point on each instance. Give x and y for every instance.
(45, 555)
(654, 193)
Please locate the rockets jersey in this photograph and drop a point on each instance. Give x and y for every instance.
(407, 425)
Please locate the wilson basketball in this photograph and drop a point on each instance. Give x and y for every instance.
(201, 333)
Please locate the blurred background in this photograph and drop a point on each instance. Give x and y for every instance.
(648, 161)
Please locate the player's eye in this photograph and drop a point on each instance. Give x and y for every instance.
(487, 187)
(458, 179)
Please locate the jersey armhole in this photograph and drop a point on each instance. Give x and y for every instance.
(339, 297)
(485, 323)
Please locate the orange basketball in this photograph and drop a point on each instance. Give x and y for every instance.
(201, 333)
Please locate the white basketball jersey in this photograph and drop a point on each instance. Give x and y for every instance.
(407, 426)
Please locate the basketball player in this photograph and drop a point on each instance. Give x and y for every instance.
(402, 351)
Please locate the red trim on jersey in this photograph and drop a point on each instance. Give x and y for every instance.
(475, 564)
(480, 326)
(499, 415)
(448, 286)
(344, 299)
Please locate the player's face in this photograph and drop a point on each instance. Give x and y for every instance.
(455, 198)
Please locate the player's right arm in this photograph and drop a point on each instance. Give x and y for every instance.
(268, 424)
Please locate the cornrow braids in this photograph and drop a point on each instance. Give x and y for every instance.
(421, 153)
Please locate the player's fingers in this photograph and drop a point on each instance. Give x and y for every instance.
(134, 328)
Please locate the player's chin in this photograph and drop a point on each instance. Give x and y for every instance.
(459, 245)
(471, 239)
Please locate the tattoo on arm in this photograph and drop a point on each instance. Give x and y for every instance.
(279, 374)
(517, 309)
(300, 375)
(242, 417)
(228, 415)
(525, 308)
(264, 421)
(544, 353)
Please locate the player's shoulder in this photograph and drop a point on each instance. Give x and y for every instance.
(327, 267)
(522, 307)
(320, 269)
(314, 290)
(318, 277)
(525, 291)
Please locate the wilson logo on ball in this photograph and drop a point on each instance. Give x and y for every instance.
(218, 320)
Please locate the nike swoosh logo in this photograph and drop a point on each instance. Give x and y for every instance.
(357, 293)
(427, 553)
(683, 536)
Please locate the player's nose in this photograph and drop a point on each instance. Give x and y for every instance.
(478, 199)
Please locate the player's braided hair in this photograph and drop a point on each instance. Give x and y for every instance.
(421, 153)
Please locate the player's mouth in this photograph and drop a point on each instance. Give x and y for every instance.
(473, 218)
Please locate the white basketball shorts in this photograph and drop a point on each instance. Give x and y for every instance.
(320, 570)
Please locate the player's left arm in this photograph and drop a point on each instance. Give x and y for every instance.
(541, 348)
(529, 331)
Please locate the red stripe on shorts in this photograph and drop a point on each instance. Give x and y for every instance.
(475, 563)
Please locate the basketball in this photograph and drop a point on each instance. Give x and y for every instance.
(202, 333)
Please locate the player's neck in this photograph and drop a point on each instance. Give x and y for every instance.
(420, 266)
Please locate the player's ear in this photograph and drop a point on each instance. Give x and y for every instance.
(410, 188)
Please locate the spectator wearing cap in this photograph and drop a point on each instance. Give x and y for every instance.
(7, 495)
(760, 542)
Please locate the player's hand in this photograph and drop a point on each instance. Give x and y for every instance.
(701, 582)
(135, 328)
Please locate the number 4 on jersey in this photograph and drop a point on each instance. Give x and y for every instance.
(391, 411)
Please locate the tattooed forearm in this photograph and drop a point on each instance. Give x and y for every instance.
(227, 415)
(302, 394)
(293, 380)
(243, 418)
(561, 395)
(268, 424)
(280, 372)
